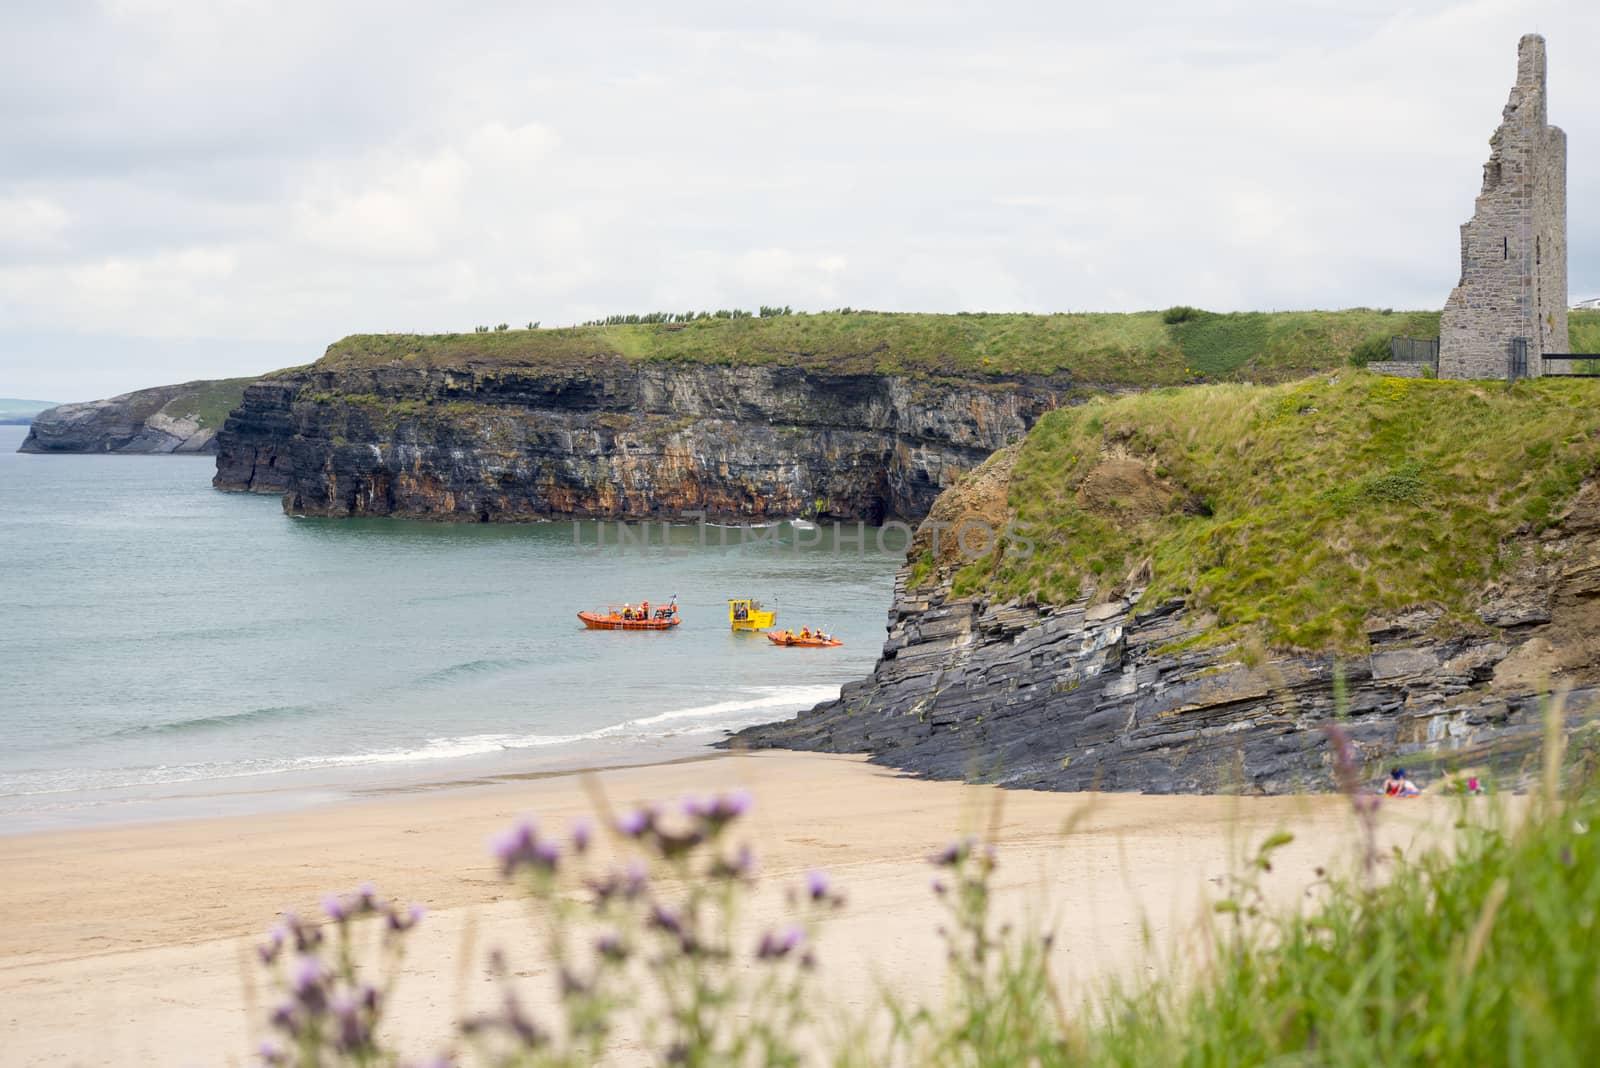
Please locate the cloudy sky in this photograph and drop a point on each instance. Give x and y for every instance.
(218, 187)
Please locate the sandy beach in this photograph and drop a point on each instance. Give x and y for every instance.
(132, 945)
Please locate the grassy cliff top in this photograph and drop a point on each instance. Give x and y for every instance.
(1134, 349)
(207, 401)
(1296, 511)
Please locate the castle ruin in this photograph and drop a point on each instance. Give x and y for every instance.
(1510, 307)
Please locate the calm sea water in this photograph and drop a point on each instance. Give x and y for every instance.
(166, 649)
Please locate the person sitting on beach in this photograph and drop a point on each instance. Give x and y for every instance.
(1400, 786)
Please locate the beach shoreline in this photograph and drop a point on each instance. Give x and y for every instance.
(132, 944)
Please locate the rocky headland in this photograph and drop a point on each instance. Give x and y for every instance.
(842, 415)
(1215, 658)
(182, 418)
(615, 440)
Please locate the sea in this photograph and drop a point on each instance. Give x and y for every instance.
(168, 650)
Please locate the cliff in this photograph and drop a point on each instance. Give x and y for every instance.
(1217, 655)
(181, 418)
(615, 439)
(843, 415)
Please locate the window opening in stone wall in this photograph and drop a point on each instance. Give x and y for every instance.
(1505, 248)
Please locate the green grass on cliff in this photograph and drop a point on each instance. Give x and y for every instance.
(1300, 509)
(1584, 326)
(1134, 349)
(209, 403)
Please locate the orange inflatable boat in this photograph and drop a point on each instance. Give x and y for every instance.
(626, 617)
(789, 638)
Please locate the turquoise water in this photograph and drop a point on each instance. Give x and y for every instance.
(166, 649)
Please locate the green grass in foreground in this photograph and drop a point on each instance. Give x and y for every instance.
(210, 403)
(1134, 349)
(1327, 500)
(1487, 953)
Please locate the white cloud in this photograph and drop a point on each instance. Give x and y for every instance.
(32, 222)
(283, 174)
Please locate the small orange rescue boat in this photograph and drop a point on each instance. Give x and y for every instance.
(627, 617)
(808, 641)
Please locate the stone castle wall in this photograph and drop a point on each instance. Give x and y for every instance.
(1514, 250)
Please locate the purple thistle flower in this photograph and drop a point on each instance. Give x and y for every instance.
(696, 808)
(268, 951)
(284, 1019)
(306, 936)
(635, 878)
(939, 887)
(610, 946)
(816, 884)
(398, 921)
(271, 1053)
(952, 854)
(366, 897)
(775, 946)
(667, 919)
(306, 984)
(352, 1030)
(546, 854)
(513, 846)
(636, 823)
(307, 981)
(742, 866)
(582, 834)
(729, 806)
(334, 907)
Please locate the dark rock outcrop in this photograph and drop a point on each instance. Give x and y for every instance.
(1109, 694)
(615, 438)
(163, 419)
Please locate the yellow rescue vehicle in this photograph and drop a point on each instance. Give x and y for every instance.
(746, 614)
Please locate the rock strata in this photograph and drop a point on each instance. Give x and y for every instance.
(614, 438)
(1109, 693)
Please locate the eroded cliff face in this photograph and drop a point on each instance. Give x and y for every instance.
(1109, 694)
(616, 439)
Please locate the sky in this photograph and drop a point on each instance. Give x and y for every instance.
(220, 187)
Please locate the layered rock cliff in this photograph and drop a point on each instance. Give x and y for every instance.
(616, 438)
(1106, 697)
(181, 418)
(1116, 689)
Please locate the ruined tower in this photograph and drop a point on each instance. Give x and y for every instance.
(1510, 306)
